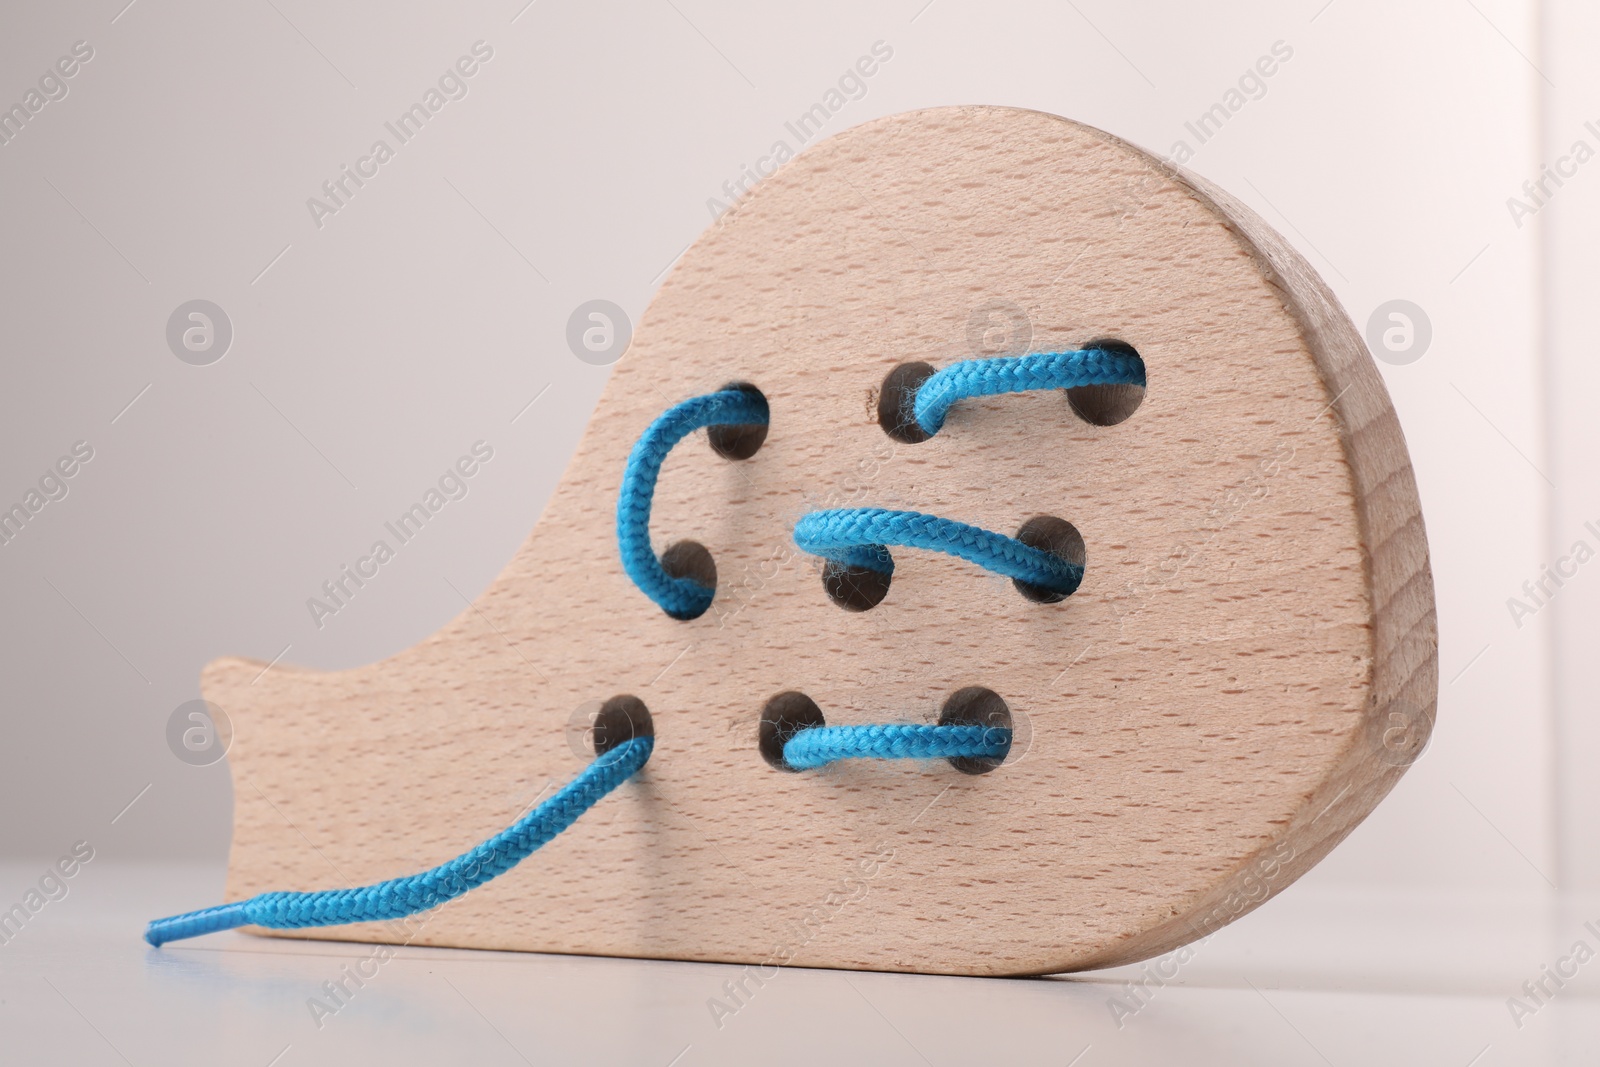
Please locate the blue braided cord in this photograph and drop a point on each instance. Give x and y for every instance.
(1016, 374)
(196, 923)
(682, 598)
(399, 897)
(824, 744)
(857, 537)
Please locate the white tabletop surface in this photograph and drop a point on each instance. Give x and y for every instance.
(1318, 976)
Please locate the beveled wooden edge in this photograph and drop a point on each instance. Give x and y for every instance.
(1404, 665)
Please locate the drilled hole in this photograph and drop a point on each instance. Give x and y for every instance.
(897, 398)
(1057, 537)
(622, 718)
(784, 716)
(1107, 405)
(976, 706)
(740, 440)
(854, 588)
(690, 559)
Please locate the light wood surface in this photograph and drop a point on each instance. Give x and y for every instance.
(1247, 669)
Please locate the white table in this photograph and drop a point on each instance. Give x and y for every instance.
(1318, 976)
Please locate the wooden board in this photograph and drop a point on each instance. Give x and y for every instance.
(1246, 670)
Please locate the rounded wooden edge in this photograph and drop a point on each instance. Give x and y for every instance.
(1404, 681)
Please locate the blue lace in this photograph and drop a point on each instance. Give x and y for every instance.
(399, 897)
(859, 537)
(822, 745)
(856, 537)
(682, 598)
(1016, 374)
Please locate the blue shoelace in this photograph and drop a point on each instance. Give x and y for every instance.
(860, 537)
(850, 537)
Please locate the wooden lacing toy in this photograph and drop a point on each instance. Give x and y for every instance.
(833, 740)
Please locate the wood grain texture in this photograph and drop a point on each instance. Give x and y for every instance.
(1247, 669)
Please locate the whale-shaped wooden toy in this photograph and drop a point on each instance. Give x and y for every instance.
(1247, 668)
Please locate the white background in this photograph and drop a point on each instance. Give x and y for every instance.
(424, 316)
(410, 325)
